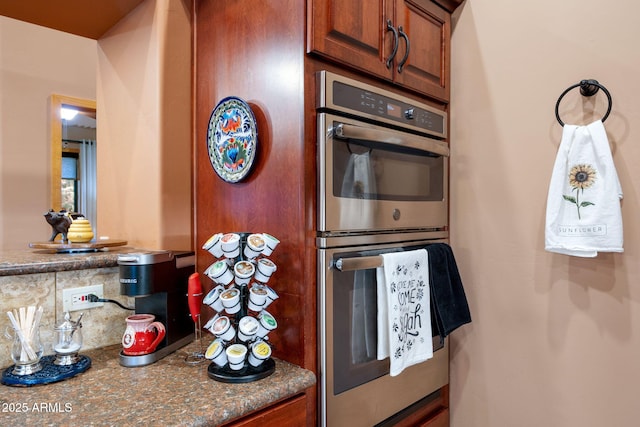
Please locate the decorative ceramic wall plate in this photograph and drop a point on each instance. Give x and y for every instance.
(232, 138)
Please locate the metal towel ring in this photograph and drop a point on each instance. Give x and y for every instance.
(587, 88)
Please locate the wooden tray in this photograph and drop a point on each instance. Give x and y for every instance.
(93, 245)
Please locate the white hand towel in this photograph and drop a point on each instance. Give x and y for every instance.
(583, 205)
(405, 279)
(383, 315)
(359, 180)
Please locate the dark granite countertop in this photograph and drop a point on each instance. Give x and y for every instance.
(166, 393)
(29, 261)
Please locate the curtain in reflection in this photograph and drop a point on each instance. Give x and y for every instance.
(87, 188)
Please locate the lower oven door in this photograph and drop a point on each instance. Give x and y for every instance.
(356, 389)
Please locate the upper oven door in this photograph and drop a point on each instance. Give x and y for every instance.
(373, 178)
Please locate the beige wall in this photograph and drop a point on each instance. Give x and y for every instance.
(554, 339)
(35, 62)
(143, 93)
(144, 111)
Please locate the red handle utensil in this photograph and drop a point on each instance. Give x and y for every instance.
(194, 296)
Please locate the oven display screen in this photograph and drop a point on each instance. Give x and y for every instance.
(393, 110)
(378, 105)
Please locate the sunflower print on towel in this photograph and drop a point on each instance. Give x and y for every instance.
(581, 177)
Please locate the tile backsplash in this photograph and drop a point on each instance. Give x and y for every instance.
(101, 326)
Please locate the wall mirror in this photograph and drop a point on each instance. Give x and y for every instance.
(73, 156)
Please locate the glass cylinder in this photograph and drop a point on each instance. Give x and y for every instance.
(26, 351)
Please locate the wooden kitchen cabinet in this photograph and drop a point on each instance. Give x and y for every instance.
(403, 41)
(432, 411)
(269, 57)
(290, 413)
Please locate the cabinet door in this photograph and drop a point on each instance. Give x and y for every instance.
(291, 413)
(352, 32)
(427, 27)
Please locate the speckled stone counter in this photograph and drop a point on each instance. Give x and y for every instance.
(166, 393)
(30, 261)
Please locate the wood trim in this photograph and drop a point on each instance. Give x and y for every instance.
(449, 5)
(90, 19)
(57, 101)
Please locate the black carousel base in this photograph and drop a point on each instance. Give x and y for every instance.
(245, 375)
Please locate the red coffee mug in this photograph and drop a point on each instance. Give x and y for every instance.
(142, 334)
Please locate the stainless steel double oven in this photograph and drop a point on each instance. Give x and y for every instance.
(382, 187)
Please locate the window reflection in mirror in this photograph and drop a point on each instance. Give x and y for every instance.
(73, 156)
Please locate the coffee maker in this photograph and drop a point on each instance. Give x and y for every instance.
(158, 282)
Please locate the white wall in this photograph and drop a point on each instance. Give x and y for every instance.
(554, 339)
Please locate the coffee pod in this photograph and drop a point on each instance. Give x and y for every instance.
(267, 324)
(257, 297)
(264, 270)
(219, 272)
(247, 328)
(270, 244)
(212, 299)
(271, 296)
(231, 300)
(214, 245)
(260, 351)
(215, 352)
(222, 328)
(209, 325)
(230, 245)
(244, 271)
(254, 247)
(235, 355)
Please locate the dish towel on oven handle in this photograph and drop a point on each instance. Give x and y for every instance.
(583, 214)
(404, 309)
(449, 301)
(359, 180)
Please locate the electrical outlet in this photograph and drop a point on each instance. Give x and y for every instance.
(75, 299)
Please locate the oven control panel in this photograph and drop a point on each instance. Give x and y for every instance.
(353, 97)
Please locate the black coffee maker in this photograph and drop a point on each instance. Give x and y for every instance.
(158, 281)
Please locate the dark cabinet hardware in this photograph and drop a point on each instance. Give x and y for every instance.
(402, 34)
(391, 28)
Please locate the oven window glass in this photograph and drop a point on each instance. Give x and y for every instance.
(355, 329)
(369, 170)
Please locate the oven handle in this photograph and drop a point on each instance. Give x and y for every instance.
(345, 131)
(358, 263)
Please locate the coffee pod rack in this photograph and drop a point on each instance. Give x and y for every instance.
(241, 276)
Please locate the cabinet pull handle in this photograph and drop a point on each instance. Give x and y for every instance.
(406, 53)
(395, 43)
